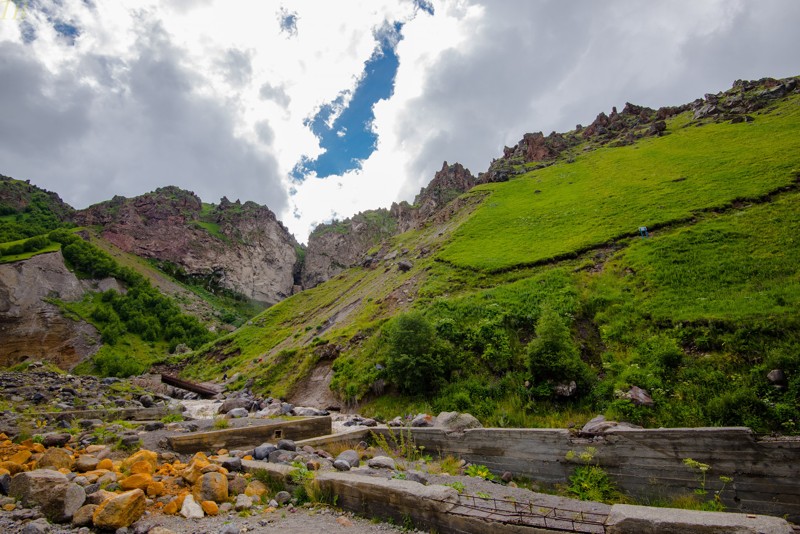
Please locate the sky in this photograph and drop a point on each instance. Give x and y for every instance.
(324, 108)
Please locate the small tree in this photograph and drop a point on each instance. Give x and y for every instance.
(552, 355)
(413, 363)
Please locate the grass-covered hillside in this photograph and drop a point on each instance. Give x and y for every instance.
(537, 303)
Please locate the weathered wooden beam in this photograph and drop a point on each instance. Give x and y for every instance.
(252, 436)
(200, 389)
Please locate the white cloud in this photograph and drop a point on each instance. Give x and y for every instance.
(212, 95)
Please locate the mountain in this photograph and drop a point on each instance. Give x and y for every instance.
(644, 267)
(238, 247)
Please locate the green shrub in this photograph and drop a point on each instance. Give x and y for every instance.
(413, 363)
(553, 356)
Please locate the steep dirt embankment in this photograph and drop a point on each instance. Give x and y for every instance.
(29, 326)
(239, 247)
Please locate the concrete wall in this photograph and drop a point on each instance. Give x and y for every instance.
(644, 463)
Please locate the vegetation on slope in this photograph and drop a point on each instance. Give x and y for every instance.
(541, 309)
(27, 211)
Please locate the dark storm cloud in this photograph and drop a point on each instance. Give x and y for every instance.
(547, 65)
(140, 128)
(42, 113)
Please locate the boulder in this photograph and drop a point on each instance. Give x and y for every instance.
(282, 497)
(141, 456)
(83, 515)
(243, 502)
(350, 456)
(237, 485)
(86, 462)
(56, 496)
(422, 420)
(211, 487)
(56, 439)
(381, 462)
(137, 481)
(639, 396)
(55, 458)
(341, 465)
(287, 445)
(232, 463)
(190, 509)
(232, 404)
(282, 457)
(565, 389)
(263, 451)
(238, 413)
(598, 425)
(456, 421)
(256, 488)
(121, 510)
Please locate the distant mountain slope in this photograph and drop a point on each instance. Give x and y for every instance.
(535, 301)
(27, 211)
(239, 247)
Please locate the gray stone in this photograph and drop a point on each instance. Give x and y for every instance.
(598, 425)
(303, 411)
(282, 497)
(153, 426)
(190, 508)
(50, 490)
(238, 413)
(456, 421)
(777, 377)
(237, 485)
(86, 462)
(146, 400)
(5, 481)
(83, 515)
(37, 526)
(628, 519)
(404, 265)
(341, 465)
(422, 420)
(639, 396)
(263, 451)
(381, 462)
(282, 457)
(350, 456)
(243, 502)
(287, 445)
(232, 463)
(232, 404)
(55, 439)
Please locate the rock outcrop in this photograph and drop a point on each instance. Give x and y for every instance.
(337, 246)
(238, 247)
(32, 327)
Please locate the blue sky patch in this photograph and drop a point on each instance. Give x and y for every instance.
(345, 134)
(288, 21)
(424, 5)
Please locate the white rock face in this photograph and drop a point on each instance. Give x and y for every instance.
(190, 509)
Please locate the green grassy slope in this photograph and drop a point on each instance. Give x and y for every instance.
(611, 192)
(522, 292)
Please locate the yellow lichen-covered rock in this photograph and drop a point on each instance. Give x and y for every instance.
(209, 507)
(55, 458)
(247, 457)
(141, 456)
(171, 508)
(138, 481)
(120, 511)
(9, 507)
(255, 489)
(211, 487)
(4, 471)
(105, 465)
(155, 489)
(12, 468)
(142, 467)
(37, 447)
(20, 457)
(194, 470)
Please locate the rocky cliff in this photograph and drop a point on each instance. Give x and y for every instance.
(337, 246)
(239, 247)
(31, 327)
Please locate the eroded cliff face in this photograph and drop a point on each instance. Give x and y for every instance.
(334, 247)
(31, 327)
(241, 247)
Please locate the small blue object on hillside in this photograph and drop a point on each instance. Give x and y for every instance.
(643, 232)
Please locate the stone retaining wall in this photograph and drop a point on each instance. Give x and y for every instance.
(644, 463)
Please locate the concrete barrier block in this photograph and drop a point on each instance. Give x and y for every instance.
(628, 519)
